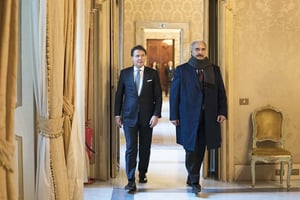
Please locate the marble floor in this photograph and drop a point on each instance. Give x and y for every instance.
(167, 176)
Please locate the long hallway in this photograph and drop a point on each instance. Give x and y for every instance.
(167, 177)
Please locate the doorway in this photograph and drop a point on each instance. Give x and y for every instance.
(160, 51)
(178, 32)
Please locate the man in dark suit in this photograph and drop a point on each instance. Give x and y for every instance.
(138, 105)
(198, 105)
(169, 70)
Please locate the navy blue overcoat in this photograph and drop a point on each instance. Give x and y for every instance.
(186, 103)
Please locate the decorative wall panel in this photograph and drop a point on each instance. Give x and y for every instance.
(19, 166)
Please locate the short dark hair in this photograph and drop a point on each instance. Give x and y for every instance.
(138, 47)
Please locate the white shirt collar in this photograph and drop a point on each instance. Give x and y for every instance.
(141, 68)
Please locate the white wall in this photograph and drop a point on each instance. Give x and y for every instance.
(24, 116)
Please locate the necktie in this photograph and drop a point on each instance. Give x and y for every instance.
(200, 77)
(137, 79)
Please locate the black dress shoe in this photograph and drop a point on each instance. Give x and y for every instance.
(196, 188)
(143, 178)
(131, 186)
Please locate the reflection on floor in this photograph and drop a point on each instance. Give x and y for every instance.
(167, 176)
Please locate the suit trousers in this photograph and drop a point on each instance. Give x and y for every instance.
(194, 159)
(138, 139)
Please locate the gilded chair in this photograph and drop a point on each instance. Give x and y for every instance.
(268, 144)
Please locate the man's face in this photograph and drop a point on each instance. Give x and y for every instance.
(199, 50)
(170, 64)
(138, 58)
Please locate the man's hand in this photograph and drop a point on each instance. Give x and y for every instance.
(118, 121)
(175, 122)
(153, 121)
(221, 118)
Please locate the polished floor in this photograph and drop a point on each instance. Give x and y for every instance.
(167, 176)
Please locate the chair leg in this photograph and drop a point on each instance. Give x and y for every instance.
(281, 172)
(289, 174)
(253, 172)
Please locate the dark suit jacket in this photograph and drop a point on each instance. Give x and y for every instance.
(130, 106)
(186, 103)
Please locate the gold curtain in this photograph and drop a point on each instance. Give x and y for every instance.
(60, 173)
(69, 72)
(55, 65)
(73, 143)
(9, 54)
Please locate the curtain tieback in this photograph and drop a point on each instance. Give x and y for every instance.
(6, 155)
(51, 128)
(68, 108)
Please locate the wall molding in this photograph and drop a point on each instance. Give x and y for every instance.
(183, 29)
(19, 166)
